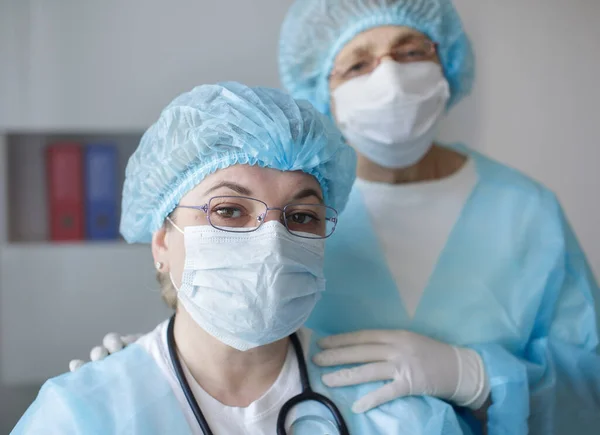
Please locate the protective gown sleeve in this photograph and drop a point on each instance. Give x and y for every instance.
(125, 393)
(560, 361)
(566, 396)
(68, 414)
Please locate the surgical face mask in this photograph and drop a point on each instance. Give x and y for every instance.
(391, 115)
(250, 289)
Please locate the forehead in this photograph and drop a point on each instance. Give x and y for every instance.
(378, 38)
(263, 182)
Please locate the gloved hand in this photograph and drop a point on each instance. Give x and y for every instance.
(110, 344)
(416, 366)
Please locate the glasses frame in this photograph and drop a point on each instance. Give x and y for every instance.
(261, 218)
(339, 75)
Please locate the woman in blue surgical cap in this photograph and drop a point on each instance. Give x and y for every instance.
(236, 189)
(439, 240)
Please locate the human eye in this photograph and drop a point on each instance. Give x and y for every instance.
(301, 218)
(226, 210)
(356, 69)
(413, 51)
(305, 218)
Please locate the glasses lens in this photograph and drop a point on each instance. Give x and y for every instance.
(358, 67)
(235, 213)
(313, 221)
(416, 50)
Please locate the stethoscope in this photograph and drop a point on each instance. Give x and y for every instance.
(307, 394)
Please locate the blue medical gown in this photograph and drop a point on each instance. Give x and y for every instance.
(128, 394)
(511, 283)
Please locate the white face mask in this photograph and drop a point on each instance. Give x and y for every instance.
(250, 289)
(391, 115)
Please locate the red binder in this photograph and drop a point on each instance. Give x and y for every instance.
(64, 164)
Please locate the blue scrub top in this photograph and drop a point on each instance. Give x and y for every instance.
(128, 393)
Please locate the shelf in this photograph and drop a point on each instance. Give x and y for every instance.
(59, 299)
(23, 155)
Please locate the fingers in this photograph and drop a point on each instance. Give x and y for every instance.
(98, 353)
(374, 336)
(379, 371)
(380, 396)
(113, 342)
(352, 355)
(75, 364)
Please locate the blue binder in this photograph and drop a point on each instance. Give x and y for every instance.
(101, 192)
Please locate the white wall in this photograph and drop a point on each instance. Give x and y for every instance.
(115, 64)
(13, 27)
(536, 104)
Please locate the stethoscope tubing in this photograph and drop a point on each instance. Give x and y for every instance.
(306, 395)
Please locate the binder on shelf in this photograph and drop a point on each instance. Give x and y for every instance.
(101, 192)
(64, 170)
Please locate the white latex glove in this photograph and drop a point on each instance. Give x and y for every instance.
(416, 366)
(110, 344)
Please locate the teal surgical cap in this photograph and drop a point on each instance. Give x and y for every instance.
(213, 127)
(315, 31)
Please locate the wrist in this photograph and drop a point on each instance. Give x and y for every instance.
(473, 387)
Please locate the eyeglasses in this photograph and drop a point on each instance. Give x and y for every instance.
(241, 214)
(414, 50)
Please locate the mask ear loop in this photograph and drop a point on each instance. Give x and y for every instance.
(182, 232)
(173, 282)
(175, 225)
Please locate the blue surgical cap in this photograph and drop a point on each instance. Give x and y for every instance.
(315, 31)
(213, 127)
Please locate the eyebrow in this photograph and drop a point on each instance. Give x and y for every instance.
(401, 39)
(306, 193)
(231, 186)
(361, 50)
(238, 188)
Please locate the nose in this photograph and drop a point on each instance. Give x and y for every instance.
(385, 57)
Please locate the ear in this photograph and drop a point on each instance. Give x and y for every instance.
(160, 250)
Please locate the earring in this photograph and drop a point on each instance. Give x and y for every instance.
(158, 265)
